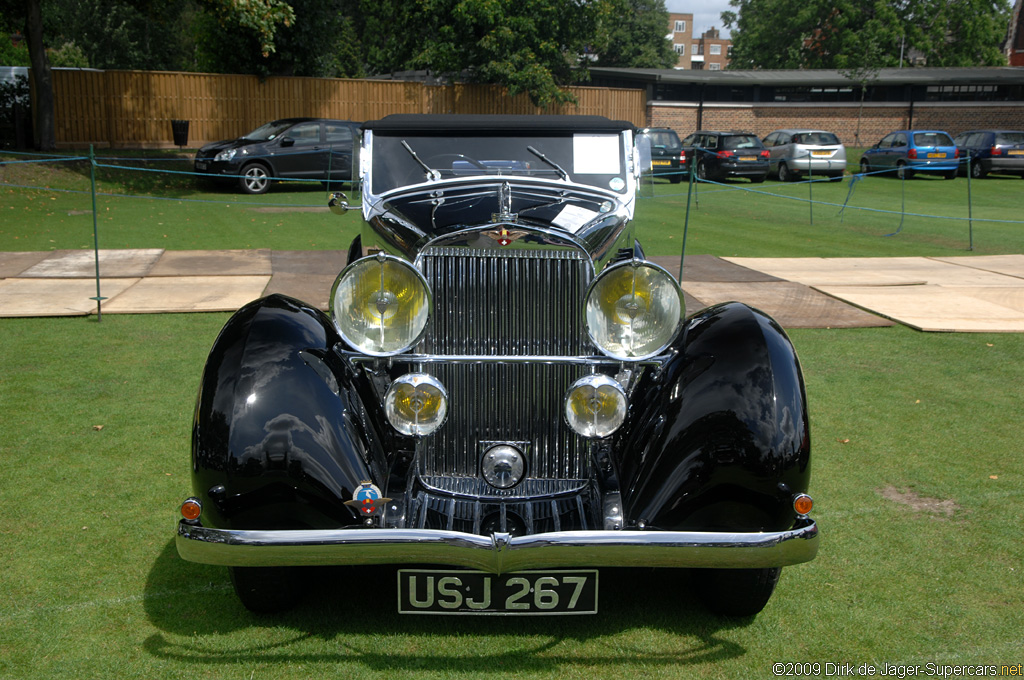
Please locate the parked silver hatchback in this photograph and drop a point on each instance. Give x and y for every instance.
(805, 152)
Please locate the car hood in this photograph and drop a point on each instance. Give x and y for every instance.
(216, 147)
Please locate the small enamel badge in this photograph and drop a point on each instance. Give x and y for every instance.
(367, 499)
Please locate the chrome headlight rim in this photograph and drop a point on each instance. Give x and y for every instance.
(416, 380)
(381, 258)
(609, 271)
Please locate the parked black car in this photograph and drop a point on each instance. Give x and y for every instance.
(506, 389)
(668, 158)
(721, 155)
(999, 151)
(288, 149)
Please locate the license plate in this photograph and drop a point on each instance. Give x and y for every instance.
(200, 165)
(524, 593)
(1015, 152)
(747, 159)
(661, 162)
(936, 155)
(821, 153)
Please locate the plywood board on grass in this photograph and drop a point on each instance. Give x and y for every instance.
(79, 264)
(188, 294)
(56, 297)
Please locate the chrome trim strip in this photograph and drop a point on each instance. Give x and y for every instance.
(501, 359)
(498, 553)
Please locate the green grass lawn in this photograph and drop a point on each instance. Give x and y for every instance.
(918, 473)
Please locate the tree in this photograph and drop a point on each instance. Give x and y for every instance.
(853, 34)
(529, 46)
(635, 36)
(321, 42)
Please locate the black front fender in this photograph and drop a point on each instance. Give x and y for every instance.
(281, 435)
(718, 438)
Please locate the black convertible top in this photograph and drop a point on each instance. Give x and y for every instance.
(476, 124)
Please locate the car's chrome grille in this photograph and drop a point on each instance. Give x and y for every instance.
(509, 303)
(506, 302)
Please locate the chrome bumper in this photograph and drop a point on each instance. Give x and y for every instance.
(498, 553)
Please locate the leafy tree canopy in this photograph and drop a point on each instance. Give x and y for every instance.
(865, 34)
(635, 36)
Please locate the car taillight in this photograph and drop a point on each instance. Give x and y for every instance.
(912, 153)
(764, 154)
(682, 156)
(995, 151)
(956, 153)
(726, 154)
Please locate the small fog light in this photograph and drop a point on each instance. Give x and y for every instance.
(416, 404)
(803, 504)
(191, 509)
(595, 406)
(503, 466)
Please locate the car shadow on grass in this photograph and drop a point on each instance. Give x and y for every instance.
(348, 608)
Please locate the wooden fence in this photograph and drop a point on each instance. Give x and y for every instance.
(134, 109)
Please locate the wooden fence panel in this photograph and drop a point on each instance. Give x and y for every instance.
(135, 108)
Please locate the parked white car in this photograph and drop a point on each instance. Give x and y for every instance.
(795, 153)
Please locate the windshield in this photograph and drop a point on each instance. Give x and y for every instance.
(741, 142)
(932, 139)
(1010, 138)
(815, 138)
(265, 133)
(405, 159)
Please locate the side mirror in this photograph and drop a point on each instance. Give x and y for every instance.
(339, 204)
(287, 141)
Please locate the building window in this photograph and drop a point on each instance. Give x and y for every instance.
(693, 49)
(680, 26)
(714, 66)
(728, 51)
(680, 49)
(716, 49)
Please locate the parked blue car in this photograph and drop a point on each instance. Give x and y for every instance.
(907, 152)
(1000, 151)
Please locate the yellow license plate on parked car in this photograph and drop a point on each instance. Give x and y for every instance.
(661, 162)
(1015, 152)
(821, 153)
(936, 155)
(748, 158)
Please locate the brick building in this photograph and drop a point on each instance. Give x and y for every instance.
(708, 51)
(951, 99)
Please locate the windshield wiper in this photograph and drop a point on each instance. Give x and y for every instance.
(550, 162)
(431, 173)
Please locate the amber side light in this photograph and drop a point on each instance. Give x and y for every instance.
(191, 509)
(803, 504)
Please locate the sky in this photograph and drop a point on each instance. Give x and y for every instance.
(705, 13)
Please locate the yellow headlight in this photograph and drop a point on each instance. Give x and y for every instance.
(595, 406)
(416, 404)
(381, 305)
(634, 310)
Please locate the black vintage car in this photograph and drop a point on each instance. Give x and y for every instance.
(315, 149)
(506, 396)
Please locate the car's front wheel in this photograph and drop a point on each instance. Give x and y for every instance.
(735, 592)
(266, 590)
(254, 179)
(978, 171)
(865, 167)
(784, 174)
(902, 171)
(702, 171)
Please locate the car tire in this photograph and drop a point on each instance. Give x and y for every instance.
(266, 590)
(784, 174)
(978, 170)
(735, 592)
(676, 177)
(950, 175)
(902, 171)
(702, 171)
(758, 179)
(865, 167)
(254, 179)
